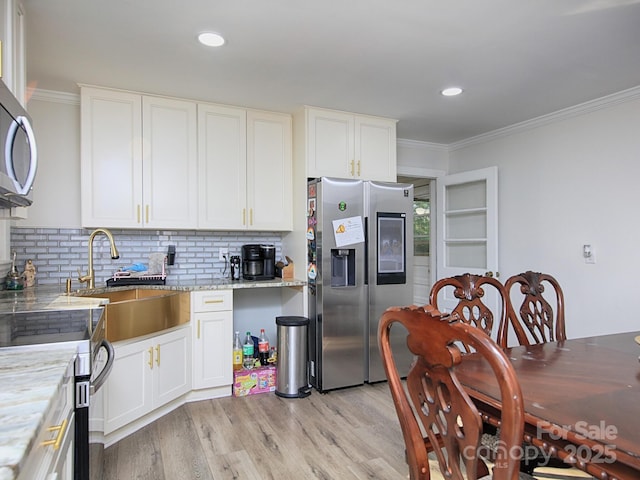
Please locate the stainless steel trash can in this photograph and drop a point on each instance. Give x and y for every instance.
(292, 377)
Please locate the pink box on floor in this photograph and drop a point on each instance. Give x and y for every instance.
(256, 380)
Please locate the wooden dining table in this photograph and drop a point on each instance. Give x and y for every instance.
(581, 399)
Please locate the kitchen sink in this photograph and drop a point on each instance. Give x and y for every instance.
(139, 311)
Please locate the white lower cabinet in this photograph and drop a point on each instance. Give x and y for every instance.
(146, 375)
(212, 330)
(52, 454)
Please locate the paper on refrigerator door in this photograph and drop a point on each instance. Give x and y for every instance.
(348, 231)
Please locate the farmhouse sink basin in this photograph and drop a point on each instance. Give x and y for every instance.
(139, 311)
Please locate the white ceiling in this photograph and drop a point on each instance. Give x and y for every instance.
(516, 59)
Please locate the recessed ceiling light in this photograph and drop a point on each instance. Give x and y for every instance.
(211, 39)
(451, 91)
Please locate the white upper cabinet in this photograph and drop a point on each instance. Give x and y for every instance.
(245, 164)
(330, 144)
(347, 145)
(12, 57)
(375, 149)
(269, 176)
(170, 163)
(138, 160)
(111, 158)
(155, 162)
(222, 154)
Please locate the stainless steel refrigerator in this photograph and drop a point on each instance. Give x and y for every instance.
(360, 262)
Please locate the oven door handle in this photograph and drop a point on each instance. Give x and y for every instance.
(102, 377)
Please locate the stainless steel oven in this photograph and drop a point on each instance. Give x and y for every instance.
(85, 329)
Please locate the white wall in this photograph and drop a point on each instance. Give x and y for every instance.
(56, 192)
(563, 184)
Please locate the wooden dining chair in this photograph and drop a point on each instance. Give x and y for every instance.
(536, 319)
(469, 292)
(435, 413)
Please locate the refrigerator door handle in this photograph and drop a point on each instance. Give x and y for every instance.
(366, 251)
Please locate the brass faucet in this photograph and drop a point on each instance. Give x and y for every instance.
(90, 277)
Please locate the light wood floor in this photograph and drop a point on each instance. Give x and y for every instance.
(345, 434)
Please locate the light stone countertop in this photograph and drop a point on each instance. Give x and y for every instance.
(208, 284)
(35, 299)
(30, 377)
(30, 381)
(53, 297)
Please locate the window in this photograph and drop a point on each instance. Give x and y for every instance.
(421, 227)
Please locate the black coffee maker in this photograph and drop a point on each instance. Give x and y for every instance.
(258, 262)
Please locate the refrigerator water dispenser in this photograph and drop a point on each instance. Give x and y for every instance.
(343, 267)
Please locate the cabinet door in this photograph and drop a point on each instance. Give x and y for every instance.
(212, 349)
(12, 35)
(127, 391)
(269, 177)
(330, 144)
(111, 158)
(170, 188)
(375, 149)
(172, 365)
(222, 168)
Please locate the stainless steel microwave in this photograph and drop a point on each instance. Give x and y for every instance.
(18, 152)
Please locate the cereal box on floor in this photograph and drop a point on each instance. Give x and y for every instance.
(256, 380)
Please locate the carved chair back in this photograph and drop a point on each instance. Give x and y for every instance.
(469, 291)
(434, 411)
(536, 316)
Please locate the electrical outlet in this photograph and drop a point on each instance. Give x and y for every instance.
(589, 254)
(223, 252)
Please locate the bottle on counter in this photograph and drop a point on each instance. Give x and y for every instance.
(247, 352)
(237, 352)
(263, 348)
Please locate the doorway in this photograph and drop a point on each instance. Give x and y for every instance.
(421, 236)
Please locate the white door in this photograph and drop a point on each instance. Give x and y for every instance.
(467, 226)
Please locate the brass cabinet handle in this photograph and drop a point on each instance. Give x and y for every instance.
(138, 212)
(158, 354)
(244, 216)
(151, 358)
(488, 274)
(218, 300)
(358, 167)
(146, 211)
(198, 329)
(58, 440)
(352, 161)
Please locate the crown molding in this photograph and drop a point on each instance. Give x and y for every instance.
(54, 96)
(574, 111)
(405, 142)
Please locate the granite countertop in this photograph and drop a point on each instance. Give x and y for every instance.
(31, 379)
(43, 298)
(209, 284)
(53, 297)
